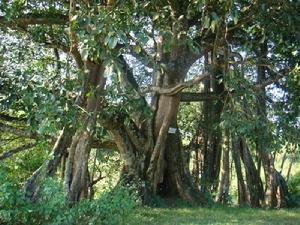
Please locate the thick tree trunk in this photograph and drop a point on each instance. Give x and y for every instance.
(166, 171)
(49, 167)
(242, 195)
(196, 166)
(223, 191)
(177, 181)
(266, 157)
(211, 132)
(76, 174)
(254, 183)
(166, 114)
(282, 193)
(168, 176)
(271, 175)
(268, 165)
(151, 153)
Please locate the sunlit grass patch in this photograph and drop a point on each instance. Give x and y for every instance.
(214, 215)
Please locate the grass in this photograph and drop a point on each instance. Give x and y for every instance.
(214, 215)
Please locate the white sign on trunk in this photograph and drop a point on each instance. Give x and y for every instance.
(172, 130)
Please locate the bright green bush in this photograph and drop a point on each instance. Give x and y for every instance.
(14, 209)
(294, 188)
(112, 207)
(294, 184)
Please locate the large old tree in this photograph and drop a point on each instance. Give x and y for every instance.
(133, 60)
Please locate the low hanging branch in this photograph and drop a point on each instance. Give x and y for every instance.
(16, 150)
(175, 89)
(198, 97)
(34, 19)
(23, 22)
(73, 37)
(6, 117)
(92, 183)
(19, 131)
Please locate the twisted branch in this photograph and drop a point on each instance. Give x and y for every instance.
(175, 89)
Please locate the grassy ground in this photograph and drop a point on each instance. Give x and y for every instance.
(215, 215)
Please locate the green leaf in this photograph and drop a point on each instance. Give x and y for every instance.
(235, 20)
(88, 94)
(155, 16)
(215, 16)
(112, 42)
(235, 17)
(137, 48)
(85, 54)
(73, 18)
(206, 22)
(213, 25)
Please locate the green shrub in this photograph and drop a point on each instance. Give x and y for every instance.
(112, 207)
(50, 204)
(294, 184)
(294, 188)
(156, 201)
(14, 208)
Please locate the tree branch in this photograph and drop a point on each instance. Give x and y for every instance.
(97, 180)
(198, 97)
(20, 24)
(13, 130)
(73, 38)
(6, 117)
(103, 144)
(56, 45)
(34, 19)
(175, 89)
(277, 76)
(16, 150)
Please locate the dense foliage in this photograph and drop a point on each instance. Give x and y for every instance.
(112, 207)
(194, 101)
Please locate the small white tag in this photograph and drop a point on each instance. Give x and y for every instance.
(172, 130)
